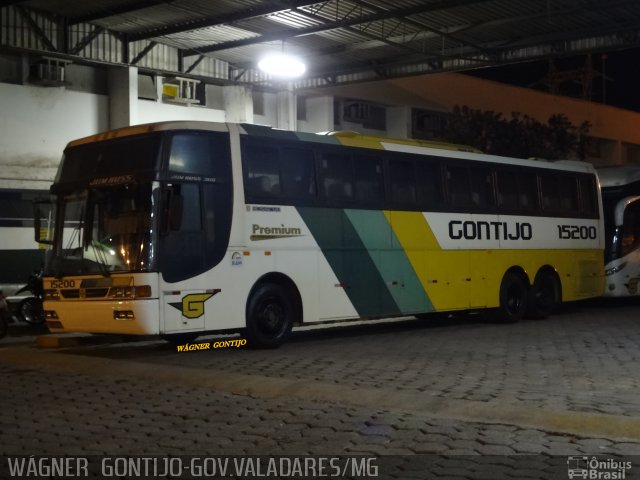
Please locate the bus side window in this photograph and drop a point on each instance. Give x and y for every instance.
(458, 186)
(429, 185)
(481, 187)
(588, 205)
(191, 153)
(568, 194)
(403, 182)
(527, 191)
(337, 176)
(550, 193)
(298, 172)
(262, 171)
(368, 183)
(507, 190)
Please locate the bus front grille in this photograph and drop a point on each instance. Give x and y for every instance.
(71, 293)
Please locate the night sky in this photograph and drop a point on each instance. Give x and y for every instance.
(620, 89)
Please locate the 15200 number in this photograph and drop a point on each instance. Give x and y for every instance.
(575, 232)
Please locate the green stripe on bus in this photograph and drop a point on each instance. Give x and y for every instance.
(350, 261)
(391, 260)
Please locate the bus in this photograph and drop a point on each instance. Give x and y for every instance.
(621, 202)
(184, 228)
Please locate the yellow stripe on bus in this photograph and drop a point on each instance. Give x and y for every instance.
(442, 273)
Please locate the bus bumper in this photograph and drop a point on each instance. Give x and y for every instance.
(126, 317)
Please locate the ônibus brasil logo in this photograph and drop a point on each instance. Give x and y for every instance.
(589, 468)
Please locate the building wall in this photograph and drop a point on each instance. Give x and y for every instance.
(616, 130)
(149, 111)
(36, 124)
(455, 89)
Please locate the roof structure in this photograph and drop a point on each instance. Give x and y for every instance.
(341, 41)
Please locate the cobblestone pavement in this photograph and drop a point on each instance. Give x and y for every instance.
(580, 360)
(563, 386)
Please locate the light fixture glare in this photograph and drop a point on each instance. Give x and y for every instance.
(281, 65)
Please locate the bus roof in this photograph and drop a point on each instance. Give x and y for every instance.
(351, 139)
(363, 139)
(147, 128)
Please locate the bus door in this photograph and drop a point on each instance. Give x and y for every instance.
(182, 258)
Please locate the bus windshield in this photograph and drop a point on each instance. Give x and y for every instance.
(104, 230)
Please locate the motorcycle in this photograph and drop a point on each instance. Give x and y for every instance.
(30, 309)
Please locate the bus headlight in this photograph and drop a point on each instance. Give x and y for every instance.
(123, 315)
(610, 271)
(52, 294)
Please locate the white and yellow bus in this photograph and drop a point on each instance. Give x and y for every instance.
(621, 204)
(182, 228)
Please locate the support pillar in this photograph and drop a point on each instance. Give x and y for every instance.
(238, 104)
(123, 97)
(399, 122)
(319, 115)
(286, 110)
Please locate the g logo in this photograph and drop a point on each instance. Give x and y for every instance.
(192, 305)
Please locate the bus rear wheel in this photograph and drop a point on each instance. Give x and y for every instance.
(513, 298)
(544, 295)
(270, 314)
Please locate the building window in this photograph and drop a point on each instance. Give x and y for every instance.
(368, 114)
(258, 102)
(301, 107)
(428, 124)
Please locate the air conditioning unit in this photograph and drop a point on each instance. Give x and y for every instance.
(180, 90)
(48, 72)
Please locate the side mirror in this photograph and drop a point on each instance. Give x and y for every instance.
(42, 211)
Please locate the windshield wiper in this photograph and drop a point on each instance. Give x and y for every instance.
(101, 258)
(75, 234)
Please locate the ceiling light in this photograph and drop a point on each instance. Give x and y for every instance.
(281, 65)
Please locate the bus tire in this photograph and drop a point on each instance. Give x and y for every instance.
(544, 295)
(270, 314)
(513, 298)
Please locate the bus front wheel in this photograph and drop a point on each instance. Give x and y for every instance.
(270, 313)
(513, 298)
